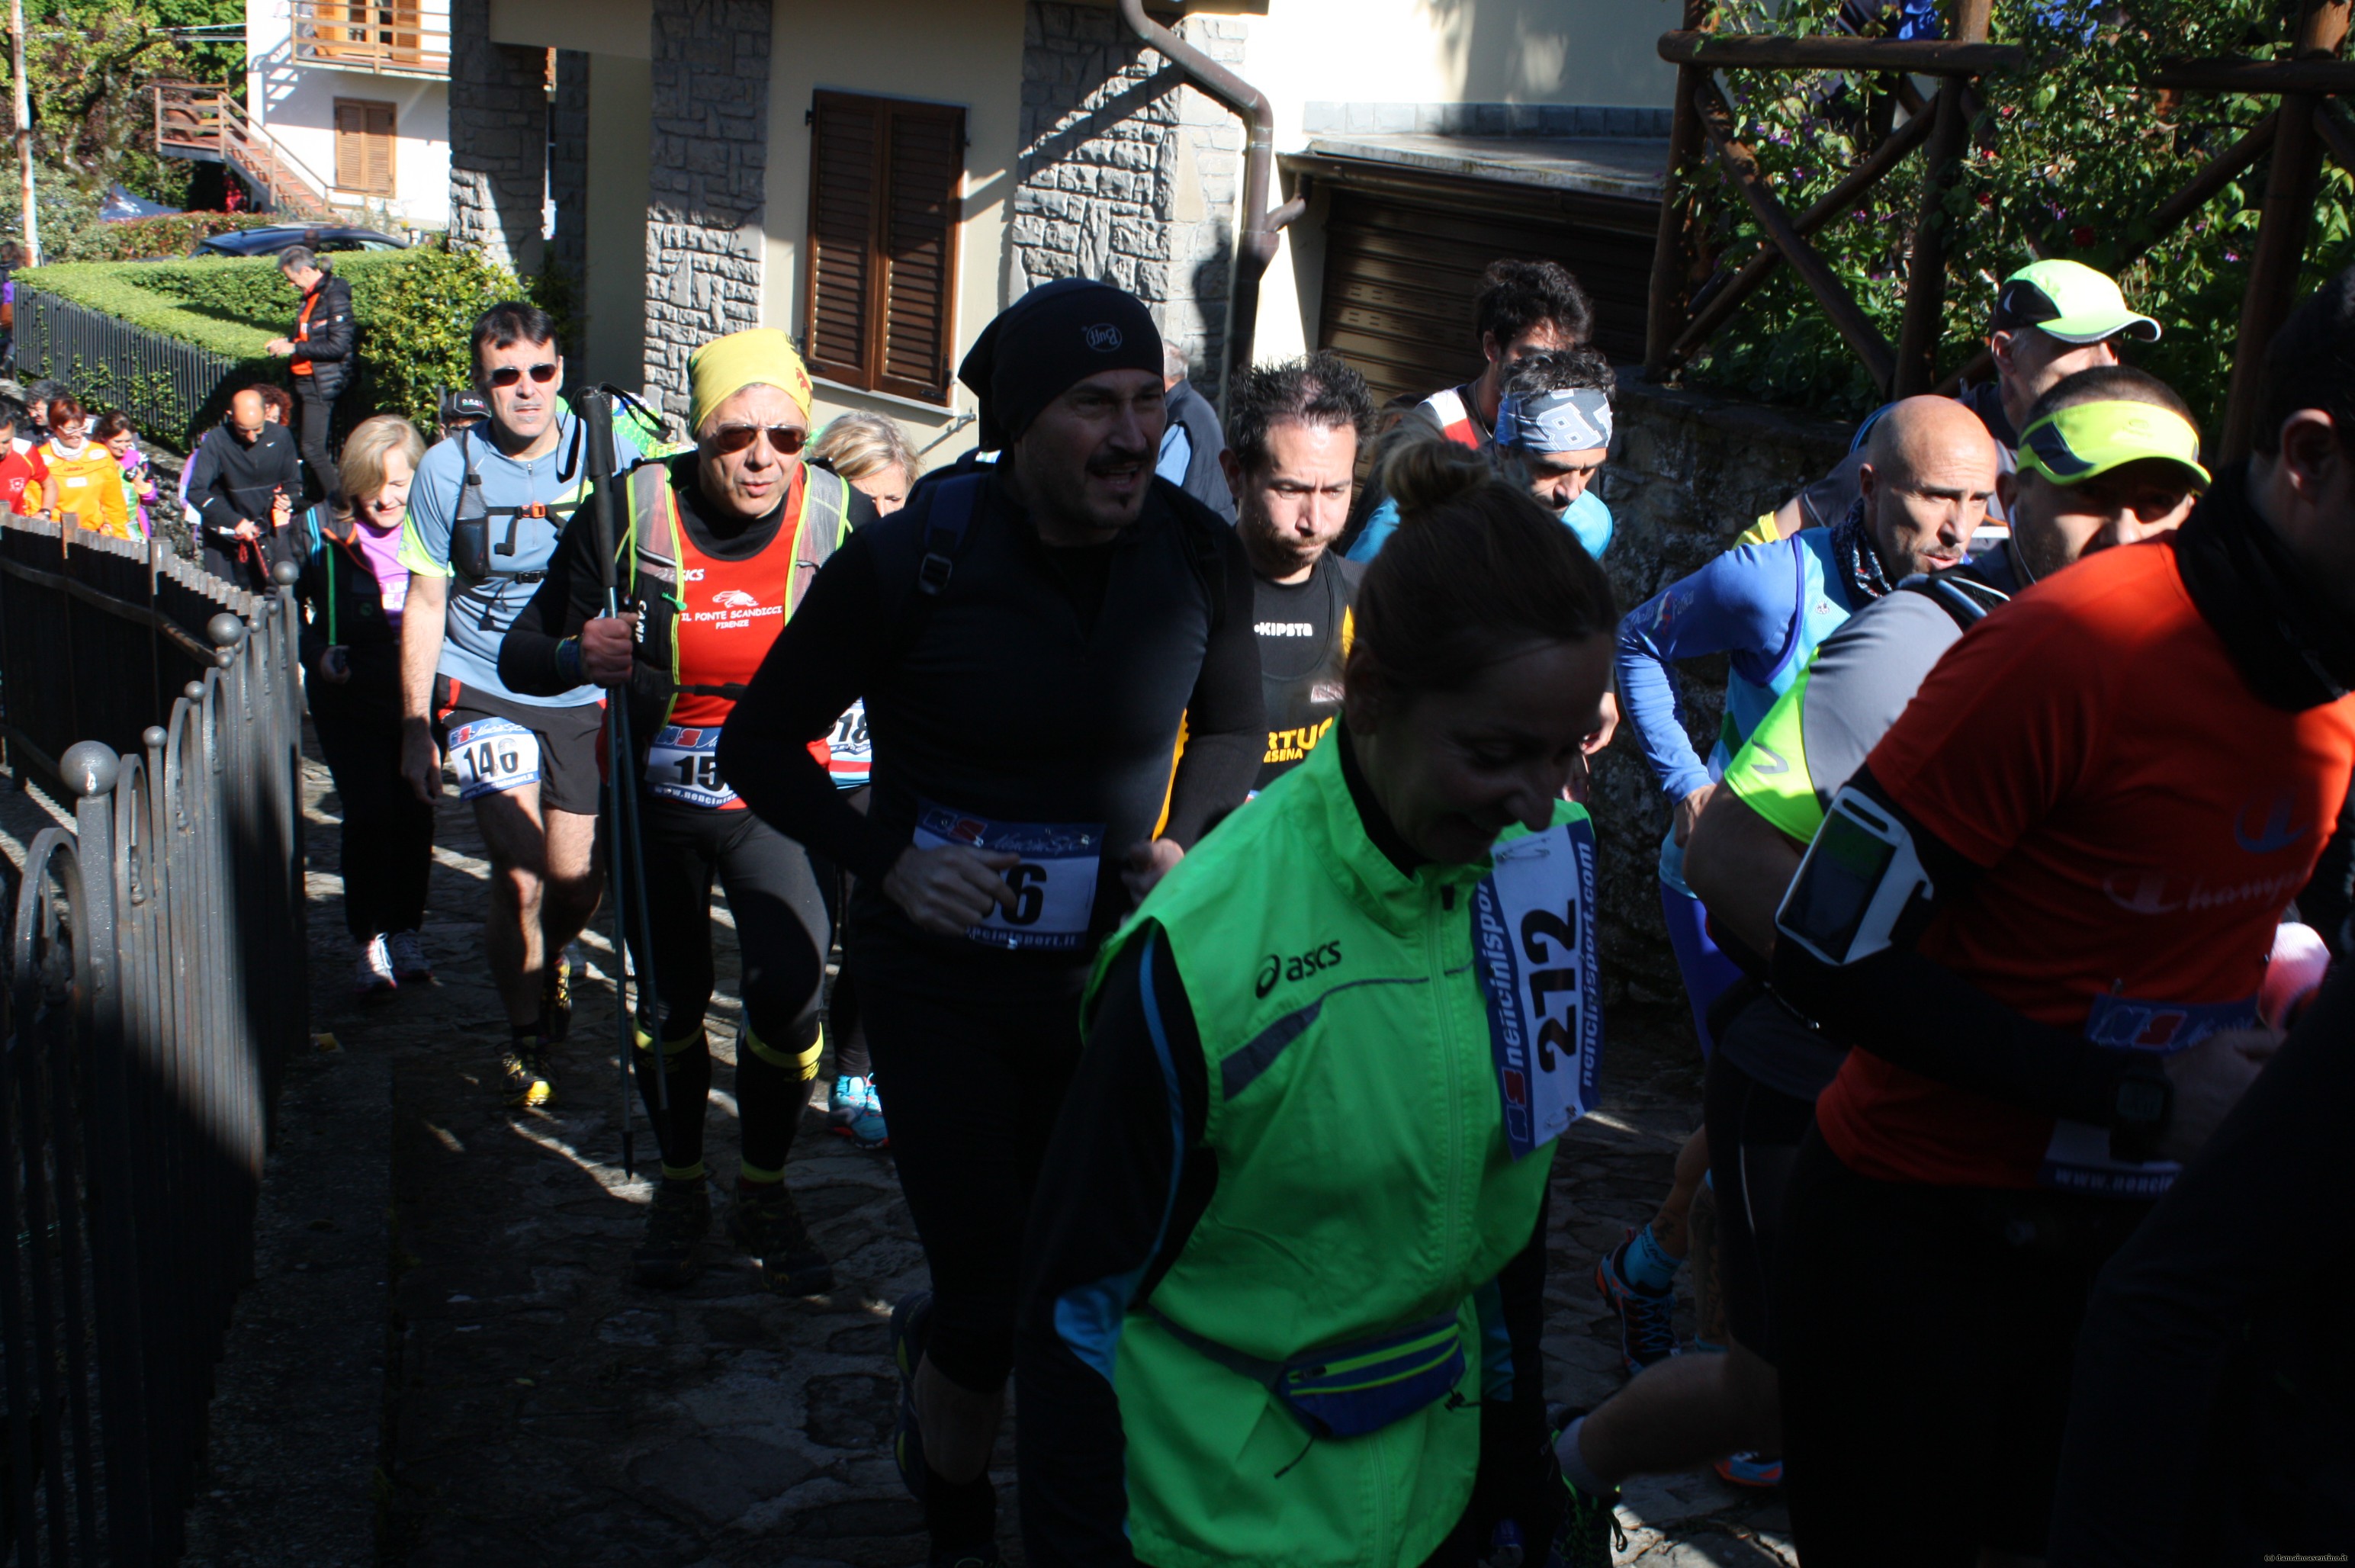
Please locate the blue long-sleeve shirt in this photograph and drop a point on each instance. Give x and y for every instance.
(1745, 604)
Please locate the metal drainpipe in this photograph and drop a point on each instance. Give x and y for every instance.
(1255, 246)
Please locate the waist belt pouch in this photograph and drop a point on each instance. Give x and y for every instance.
(1349, 1389)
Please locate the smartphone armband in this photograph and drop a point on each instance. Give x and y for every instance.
(1860, 876)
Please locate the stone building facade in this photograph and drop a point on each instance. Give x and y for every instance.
(1126, 174)
(707, 201)
(498, 141)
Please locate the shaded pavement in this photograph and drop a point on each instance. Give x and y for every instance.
(541, 1409)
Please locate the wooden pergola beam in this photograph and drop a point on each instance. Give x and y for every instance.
(1835, 203)
(1758, 52)
(2321, 77)
(1847, 318)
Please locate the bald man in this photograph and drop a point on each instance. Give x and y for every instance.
(243, 482)
(1922, 488)
(2052, 319)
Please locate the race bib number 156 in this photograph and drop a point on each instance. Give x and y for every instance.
(1534, 945)
(1054, 888)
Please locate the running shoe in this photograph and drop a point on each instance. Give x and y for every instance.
(556, 995)
(677, 1223)
(856, 1112)
(911, 1322)
(409, 960)
(524, 1071)
(1589, 1531)
(770, 1227)
(374, 974)
(1648, 1328)
(1749, 1470)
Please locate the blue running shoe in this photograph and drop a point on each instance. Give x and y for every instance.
(1589, 1531)
(911, 1320)
(856, 1111)
(1749, 1470)
(1648, 1328)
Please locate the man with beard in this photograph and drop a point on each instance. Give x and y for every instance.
(1026, 636)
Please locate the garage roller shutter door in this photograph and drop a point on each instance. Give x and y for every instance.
(1401, 268)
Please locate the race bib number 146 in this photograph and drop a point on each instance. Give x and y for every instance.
(1534, 945)
(492, 756)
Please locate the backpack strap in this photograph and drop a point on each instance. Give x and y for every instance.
(1960, 591)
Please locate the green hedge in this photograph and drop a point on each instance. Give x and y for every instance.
(414, 309)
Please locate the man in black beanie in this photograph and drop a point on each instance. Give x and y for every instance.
(1026, 636)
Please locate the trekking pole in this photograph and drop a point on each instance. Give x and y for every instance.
(596, 409)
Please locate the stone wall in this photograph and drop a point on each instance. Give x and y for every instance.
(498, 141)
(1126, 174)
(710, 166)
(1692, 471)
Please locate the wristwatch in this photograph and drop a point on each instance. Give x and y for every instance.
(2140, 1113)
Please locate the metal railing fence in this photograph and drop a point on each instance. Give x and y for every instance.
(155, 953)
(172, 389)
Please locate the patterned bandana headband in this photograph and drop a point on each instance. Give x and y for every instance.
(1574, 419)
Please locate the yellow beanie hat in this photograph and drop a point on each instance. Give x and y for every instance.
(760, 357)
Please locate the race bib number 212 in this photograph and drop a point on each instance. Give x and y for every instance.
(1534, 945)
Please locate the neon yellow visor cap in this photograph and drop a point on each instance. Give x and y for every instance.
(2084, 441)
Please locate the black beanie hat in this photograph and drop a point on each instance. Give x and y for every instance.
(1046, 342)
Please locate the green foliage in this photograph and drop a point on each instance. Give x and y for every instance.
(415, 310)
(417, 319)
(89, 63)
(2068, 158)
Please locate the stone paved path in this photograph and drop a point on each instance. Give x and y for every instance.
(542, 1409)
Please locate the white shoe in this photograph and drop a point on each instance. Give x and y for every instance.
(374, 974)
(409, 960)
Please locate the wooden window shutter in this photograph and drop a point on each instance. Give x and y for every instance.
(365, 137)
(846, 175)
(351, 149)
(920, 250)
(886, 196)
(381, 139)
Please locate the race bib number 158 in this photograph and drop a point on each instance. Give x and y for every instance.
(1534, 945)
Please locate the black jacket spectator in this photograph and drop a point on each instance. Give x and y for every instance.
(323, 339)
(231, 481)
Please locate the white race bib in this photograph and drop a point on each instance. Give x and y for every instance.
(684, 764)
(850, 754)
(2077, 1159)
(493, 756)
(1054, 887)
(1533, 945)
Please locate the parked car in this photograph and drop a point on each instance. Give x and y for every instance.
(270, 241)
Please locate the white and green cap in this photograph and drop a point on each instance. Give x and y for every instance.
(2070, 300)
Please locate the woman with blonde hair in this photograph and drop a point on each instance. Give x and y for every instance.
(874, 454)
(353, 590)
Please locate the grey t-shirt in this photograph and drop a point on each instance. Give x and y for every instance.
(1861, 679)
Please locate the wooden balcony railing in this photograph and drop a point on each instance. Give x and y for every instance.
(387, 39)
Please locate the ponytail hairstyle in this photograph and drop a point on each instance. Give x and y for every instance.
(1476, 573)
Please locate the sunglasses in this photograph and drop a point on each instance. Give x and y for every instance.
(508, 375)
(784, 440)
